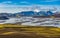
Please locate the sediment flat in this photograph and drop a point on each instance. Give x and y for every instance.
(9, 31)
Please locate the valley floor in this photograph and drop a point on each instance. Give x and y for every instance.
(18, 31)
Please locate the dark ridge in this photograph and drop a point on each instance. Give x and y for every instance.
(3, 18)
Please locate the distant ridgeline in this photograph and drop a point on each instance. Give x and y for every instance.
(3, 18)
(31, 13)
(36, 14)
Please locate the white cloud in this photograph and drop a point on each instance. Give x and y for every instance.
(11, 8)
(49, 0)
(17, 8)
(6, 2)
(24, 2)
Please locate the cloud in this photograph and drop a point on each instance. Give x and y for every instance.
(17, 8)
(7, 7)
(7, 2)
(15, 3)
(10, 7)
(24, 2)
(49, 0)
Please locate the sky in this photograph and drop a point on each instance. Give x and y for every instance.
(16, 5)
(30, 2)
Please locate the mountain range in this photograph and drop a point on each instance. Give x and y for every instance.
(28, 13)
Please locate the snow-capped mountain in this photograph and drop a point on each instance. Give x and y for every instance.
(33, 13)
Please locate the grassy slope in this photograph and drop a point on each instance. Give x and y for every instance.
(8, 30)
